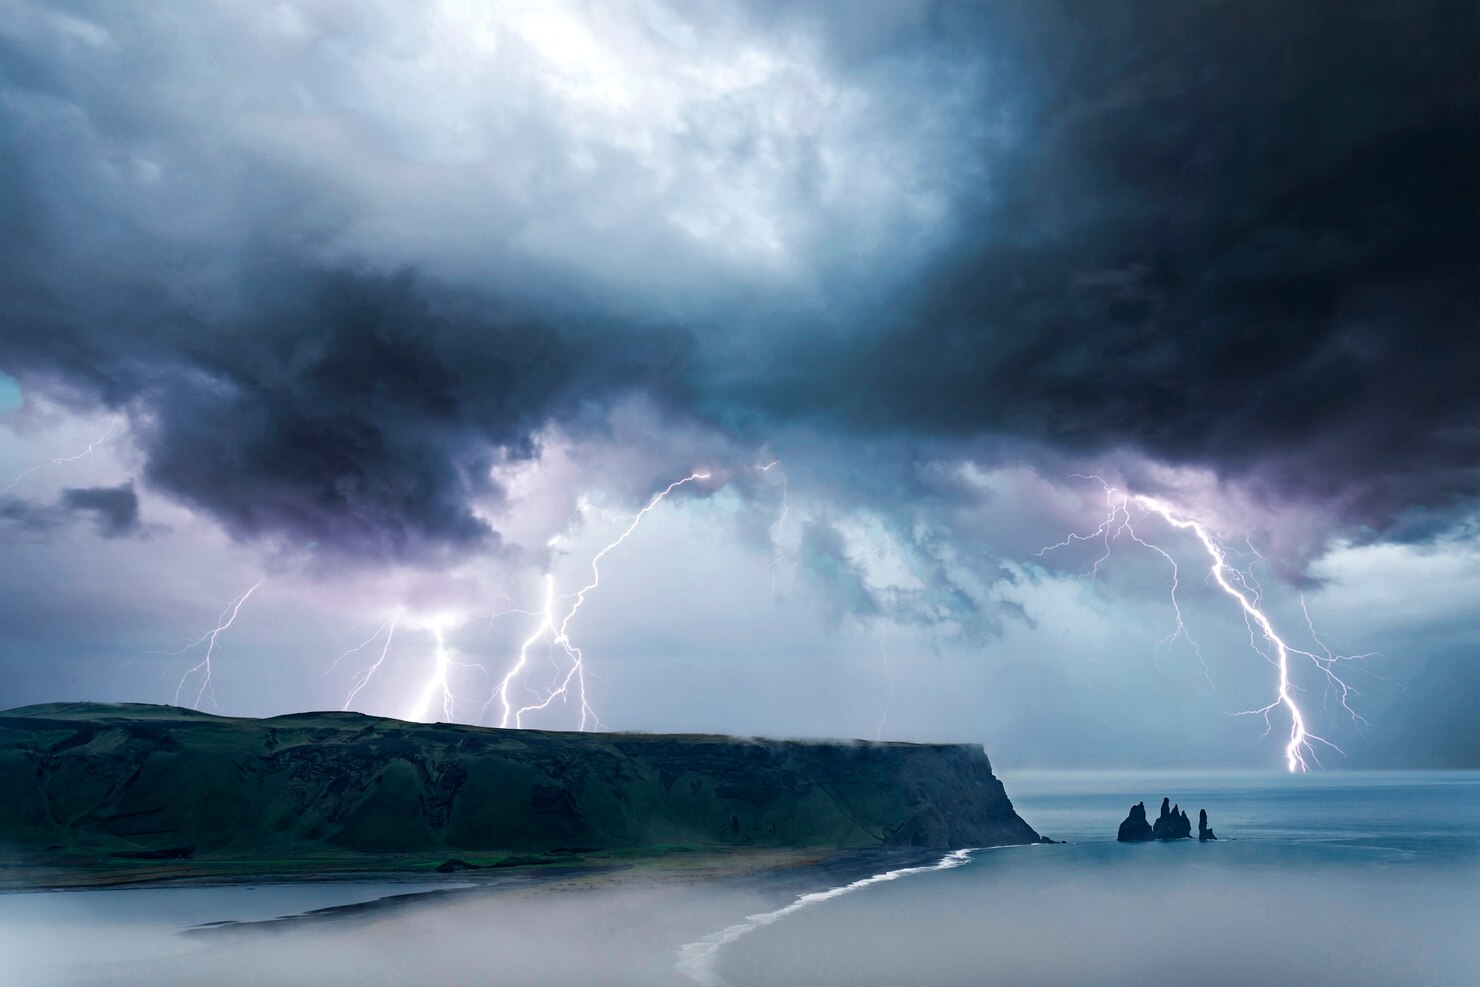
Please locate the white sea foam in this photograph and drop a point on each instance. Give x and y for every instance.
(696, 960)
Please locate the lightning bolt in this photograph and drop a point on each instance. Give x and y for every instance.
(509, 611)
(59, 460)
(1117, 523)
(780, 520)
(1245, 590)
(438, 684)
(364, 675)
(210, 638)
(438, 681)
(554, 624)
(888, 674)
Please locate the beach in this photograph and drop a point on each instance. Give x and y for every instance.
(1346, 878)
(613, 923)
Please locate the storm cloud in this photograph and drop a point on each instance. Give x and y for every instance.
(1230, 236)
(1242, 237)
(115, 509)
(400, 309)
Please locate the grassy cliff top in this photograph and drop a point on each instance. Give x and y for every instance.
(109, 785)
(103, 713)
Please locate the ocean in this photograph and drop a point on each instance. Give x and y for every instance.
(1334, 878)
(1337, 878)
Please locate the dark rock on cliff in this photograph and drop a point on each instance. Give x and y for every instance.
(1136, 829)
(1203, 832)
(129, 779)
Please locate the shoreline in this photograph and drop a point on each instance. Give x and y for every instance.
(279, 923)
(697, 960)
(633, 922)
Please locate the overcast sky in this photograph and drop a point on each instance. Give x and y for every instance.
(389, 313)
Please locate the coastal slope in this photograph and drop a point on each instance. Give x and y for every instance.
(124, 782)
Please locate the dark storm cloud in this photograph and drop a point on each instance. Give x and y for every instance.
(28, 517)
(293, 398)
(355, 410)
(1241, 236)
(115, 510)
(365, 415)
(1230, 235)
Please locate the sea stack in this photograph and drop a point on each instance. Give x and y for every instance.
(1136, 829)
(1203, 832)
(1172, 824)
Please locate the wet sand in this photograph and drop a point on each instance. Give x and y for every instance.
(611, 924)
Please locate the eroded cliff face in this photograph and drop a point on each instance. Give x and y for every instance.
(125, 779)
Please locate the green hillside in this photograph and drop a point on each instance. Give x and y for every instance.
(92, 785)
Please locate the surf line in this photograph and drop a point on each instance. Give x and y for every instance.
(696, 960)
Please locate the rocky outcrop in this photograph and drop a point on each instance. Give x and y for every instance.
(102, 780)
(1171, 824)
(1136, 829)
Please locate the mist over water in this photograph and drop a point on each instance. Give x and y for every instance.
(1325, 879)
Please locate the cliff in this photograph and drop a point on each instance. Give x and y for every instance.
(134, 782)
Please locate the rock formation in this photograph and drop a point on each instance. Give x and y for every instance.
(1171, 824)
(1136, 829)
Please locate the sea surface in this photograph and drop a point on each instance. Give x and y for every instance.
(1338, 878)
